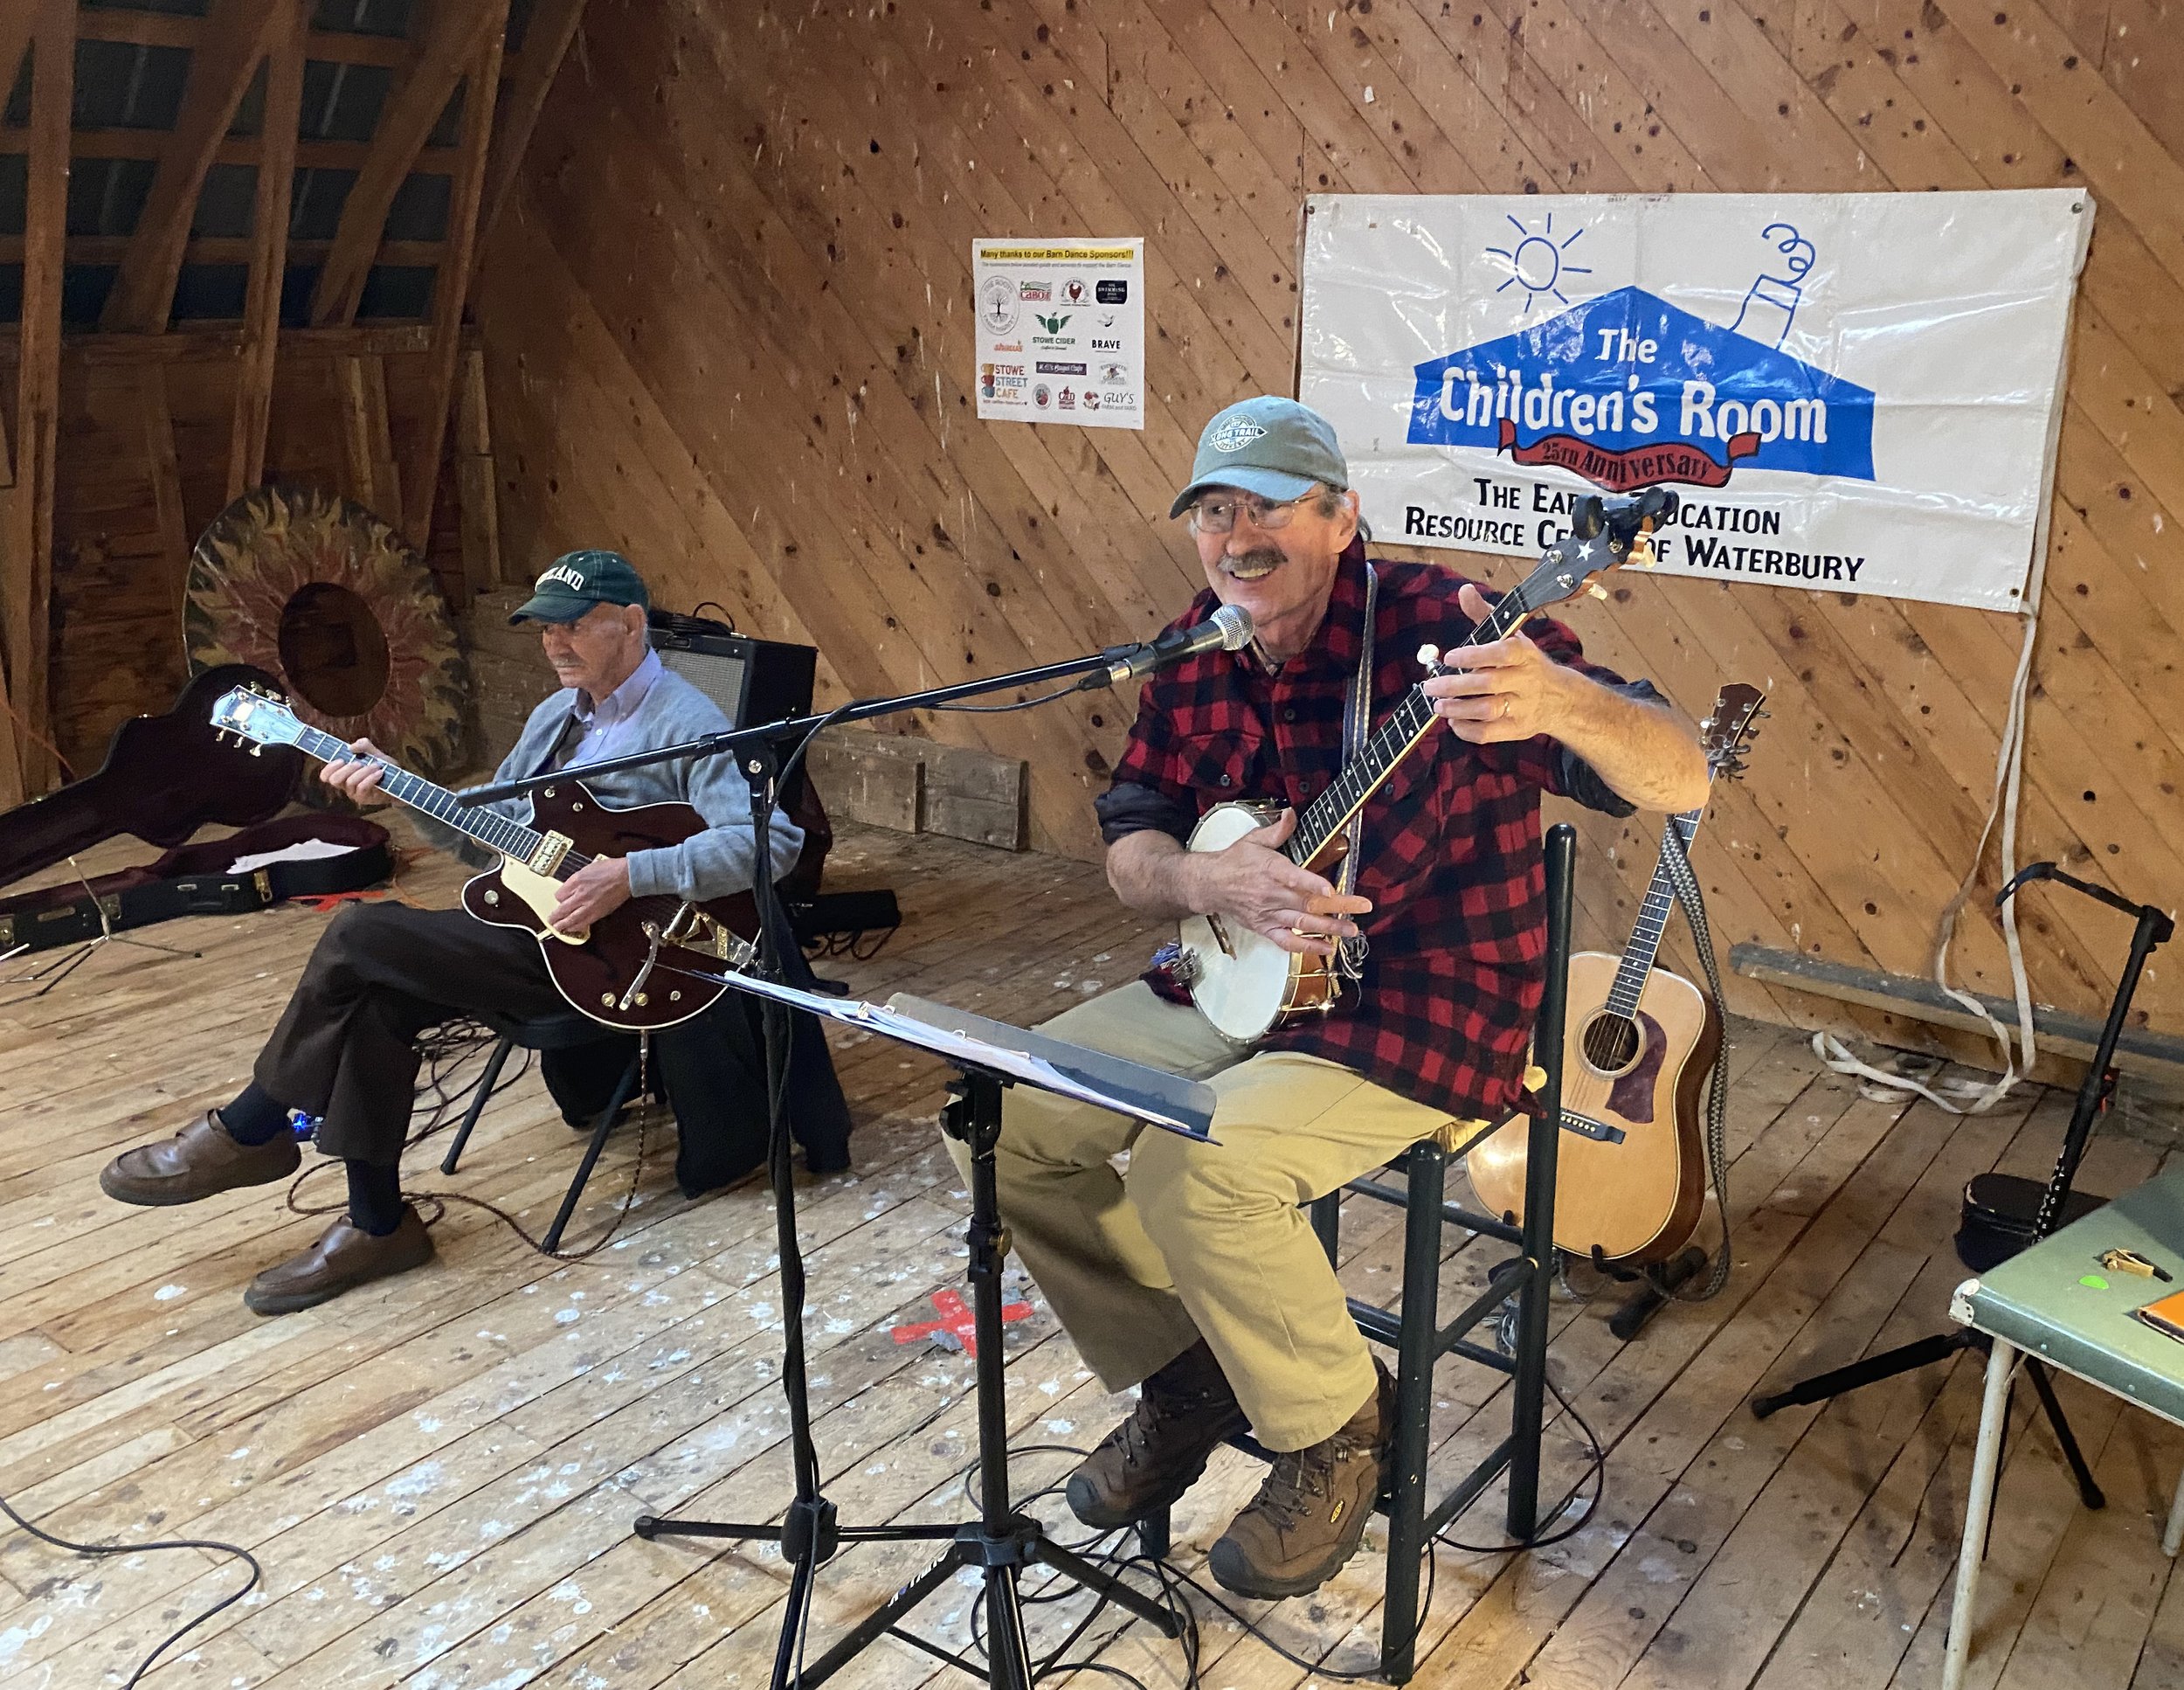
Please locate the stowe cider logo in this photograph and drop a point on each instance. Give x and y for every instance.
(1628, 390)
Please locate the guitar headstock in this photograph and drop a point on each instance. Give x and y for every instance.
(262, 718)
(1730, 728)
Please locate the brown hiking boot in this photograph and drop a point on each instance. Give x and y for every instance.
(1310, 1514)
(1183, 1412)
(198, 1161)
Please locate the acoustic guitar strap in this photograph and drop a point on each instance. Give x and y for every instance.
(1693, 900)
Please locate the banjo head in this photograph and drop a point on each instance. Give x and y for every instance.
(1240, 981)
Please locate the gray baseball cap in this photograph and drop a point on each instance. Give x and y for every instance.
(1270, 445)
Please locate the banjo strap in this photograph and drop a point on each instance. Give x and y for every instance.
(1357, 728)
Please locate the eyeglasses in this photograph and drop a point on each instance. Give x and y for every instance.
(1218, 516)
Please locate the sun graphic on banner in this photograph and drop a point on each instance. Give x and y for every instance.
(1538, 263)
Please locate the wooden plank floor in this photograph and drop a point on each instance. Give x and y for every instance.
(438, 1473)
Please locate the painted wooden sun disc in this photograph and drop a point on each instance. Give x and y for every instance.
(318, 590)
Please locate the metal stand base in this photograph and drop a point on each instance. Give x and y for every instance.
(1001, 1541)
(53, 973)
(1924, 1352)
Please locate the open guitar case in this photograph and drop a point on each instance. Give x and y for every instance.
(164, 777)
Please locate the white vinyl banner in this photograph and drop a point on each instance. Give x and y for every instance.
(1061, 331)
(1852, 391)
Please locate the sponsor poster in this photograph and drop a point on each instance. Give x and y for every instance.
(1061, 331)
(1852, 391)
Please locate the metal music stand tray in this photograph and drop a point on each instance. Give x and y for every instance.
(988, 1055)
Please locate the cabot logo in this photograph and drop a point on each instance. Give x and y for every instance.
(1628, 390)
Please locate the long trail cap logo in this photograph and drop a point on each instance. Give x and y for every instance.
(1235, 434)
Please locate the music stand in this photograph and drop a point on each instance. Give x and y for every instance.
(988, 1055)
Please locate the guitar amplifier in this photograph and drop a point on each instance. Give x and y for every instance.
(752, 681)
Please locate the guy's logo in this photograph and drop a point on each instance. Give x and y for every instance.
(567, 576)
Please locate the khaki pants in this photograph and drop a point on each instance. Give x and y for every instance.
(1198, 1239)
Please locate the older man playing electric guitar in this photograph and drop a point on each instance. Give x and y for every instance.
(384, 973)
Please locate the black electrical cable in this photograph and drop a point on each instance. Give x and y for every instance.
(95, 1550)
(1001, 710)
(1172, 1579)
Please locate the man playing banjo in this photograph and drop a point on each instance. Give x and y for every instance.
(1195, 1273)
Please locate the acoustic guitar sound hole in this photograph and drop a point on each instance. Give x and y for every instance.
(1610, 1044)
(333, 650)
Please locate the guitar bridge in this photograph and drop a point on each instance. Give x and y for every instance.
(1586, 1127)
(695, 931)
(548, 857)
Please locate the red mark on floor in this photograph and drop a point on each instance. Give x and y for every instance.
(957, 1320)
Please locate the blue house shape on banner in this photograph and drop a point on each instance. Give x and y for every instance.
(1628, 372)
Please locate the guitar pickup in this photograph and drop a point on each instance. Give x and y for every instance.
(1586, 1126)
(548, 857)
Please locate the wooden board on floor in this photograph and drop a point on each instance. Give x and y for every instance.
(438, 1473)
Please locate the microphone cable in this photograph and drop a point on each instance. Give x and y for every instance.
(100, 1550)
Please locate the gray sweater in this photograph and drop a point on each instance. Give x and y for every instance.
(707, 865)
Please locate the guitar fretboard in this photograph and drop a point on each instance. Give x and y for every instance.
(489, 829)
(1394, 738)
(1652, 923)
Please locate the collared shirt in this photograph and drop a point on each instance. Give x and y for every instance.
(1451, 855)
(603, 723)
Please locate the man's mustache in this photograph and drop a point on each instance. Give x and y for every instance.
(1264, 557)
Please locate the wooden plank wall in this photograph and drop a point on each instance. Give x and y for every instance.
(728, 328)
(142, 471)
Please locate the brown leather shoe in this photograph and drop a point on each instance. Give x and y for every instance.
(200, 1160)
(345, 1257)
(1310, 1514)
(1183, 1412)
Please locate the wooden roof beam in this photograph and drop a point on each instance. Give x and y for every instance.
(269, 255)
(16, 23)
(26, 526)
(452, 286)
(447, 48)
(553, 27)
(221, 70)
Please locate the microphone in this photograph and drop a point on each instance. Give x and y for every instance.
(1227, 629)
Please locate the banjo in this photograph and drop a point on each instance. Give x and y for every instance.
(1244, 983)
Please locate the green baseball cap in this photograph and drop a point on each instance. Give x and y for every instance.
(1273, 446)
(576, 580)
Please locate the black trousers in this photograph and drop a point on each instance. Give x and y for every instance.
(346, 1047)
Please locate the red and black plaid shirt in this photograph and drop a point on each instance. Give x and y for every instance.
(1451, 858)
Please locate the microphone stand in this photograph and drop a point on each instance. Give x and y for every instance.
(799, 728)
(809, 1533)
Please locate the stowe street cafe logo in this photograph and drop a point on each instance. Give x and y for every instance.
(1628, 391)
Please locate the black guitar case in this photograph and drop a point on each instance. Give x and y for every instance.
(195, 879)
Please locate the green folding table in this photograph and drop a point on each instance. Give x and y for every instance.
(2055, 1301)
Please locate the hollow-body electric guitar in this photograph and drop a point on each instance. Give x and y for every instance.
(1245, 983)
(630, 970)
(1638, 1043)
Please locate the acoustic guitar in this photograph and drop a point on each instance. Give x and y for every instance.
(1245, 983)
(1638, 1043)
(632, 970)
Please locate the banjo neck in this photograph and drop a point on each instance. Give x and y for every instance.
(1400, 734)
